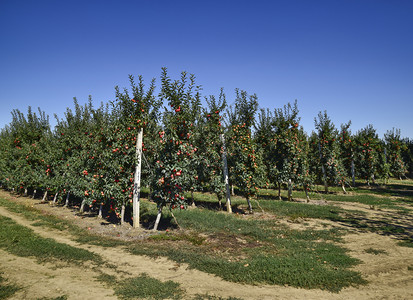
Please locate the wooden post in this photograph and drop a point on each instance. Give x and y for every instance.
(137, 180)
(225, 165)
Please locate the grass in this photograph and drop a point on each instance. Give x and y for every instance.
(406, 243)
(269, 202)
(255, 252)
(143, 286)
(391, 195)
(272, 254)
(375, 251)
(22, 241)
(64, 297)
(211, 297)
(303, 210)
(50, 221)
(7, 289)
(257, 249)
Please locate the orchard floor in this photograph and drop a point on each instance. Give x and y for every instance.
(389, 274)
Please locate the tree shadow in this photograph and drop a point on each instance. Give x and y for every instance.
(394, 226)
(209, 205)
(397, 190)
(147, 221)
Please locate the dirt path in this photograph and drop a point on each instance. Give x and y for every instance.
(51, 281)
(388, 274)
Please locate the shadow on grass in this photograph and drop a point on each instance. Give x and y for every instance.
(397, 190)
(214, 206)
(166, 222)
(388, 226)
(209, 205)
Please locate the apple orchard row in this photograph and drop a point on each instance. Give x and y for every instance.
(90, 155)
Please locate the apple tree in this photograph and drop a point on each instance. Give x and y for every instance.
(174, 172)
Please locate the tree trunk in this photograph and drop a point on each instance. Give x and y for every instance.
(45, 196)
(55, 198)
(158, 218)
(225, 166)
(67, 199)
(343, 188)
(82, 206)
(324, 179)
(290, 190)
(100, 215)
(193, 201)
(137, 181)
(323, 169)
(353, 176)
(306, 193)
(279, 191)
(249, 205)
(228, 203)
(34, 194)
(232, 190)
(219, 202)
(150, 194)
(25, 192)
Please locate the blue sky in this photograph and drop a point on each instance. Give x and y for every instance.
(351, 58)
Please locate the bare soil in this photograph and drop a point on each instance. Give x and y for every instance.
(390, 274)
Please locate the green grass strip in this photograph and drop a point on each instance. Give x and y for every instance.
(22, 241)
(272, 254)
(211, 297)
(49, 221)
(143, 287)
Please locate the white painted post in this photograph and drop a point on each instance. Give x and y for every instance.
(290, 190)
(224, 160)
(137, 180)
